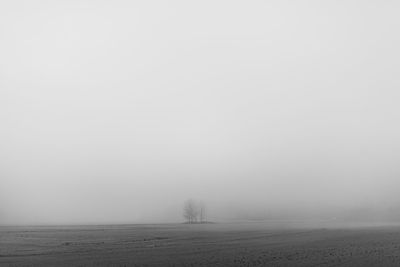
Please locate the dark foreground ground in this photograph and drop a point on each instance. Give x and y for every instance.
(198, 245)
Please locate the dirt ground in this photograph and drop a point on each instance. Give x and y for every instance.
(198, 245)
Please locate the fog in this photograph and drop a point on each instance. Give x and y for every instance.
(119, 111)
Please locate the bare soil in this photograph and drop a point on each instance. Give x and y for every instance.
(198, 245)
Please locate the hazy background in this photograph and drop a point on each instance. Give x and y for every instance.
(118, 111)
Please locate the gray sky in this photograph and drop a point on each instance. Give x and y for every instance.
(118, 111)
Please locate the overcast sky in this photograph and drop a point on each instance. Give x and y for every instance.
(118, 111)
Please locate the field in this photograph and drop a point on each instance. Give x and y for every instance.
(199, 245)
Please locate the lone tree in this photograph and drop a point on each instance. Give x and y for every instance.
(202, 212)
(190, 211)
(194, 212)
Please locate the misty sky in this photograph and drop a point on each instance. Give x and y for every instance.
(118, 111)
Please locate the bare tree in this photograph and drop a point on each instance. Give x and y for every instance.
(194, 212)
(202, 212)
(190, 211)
